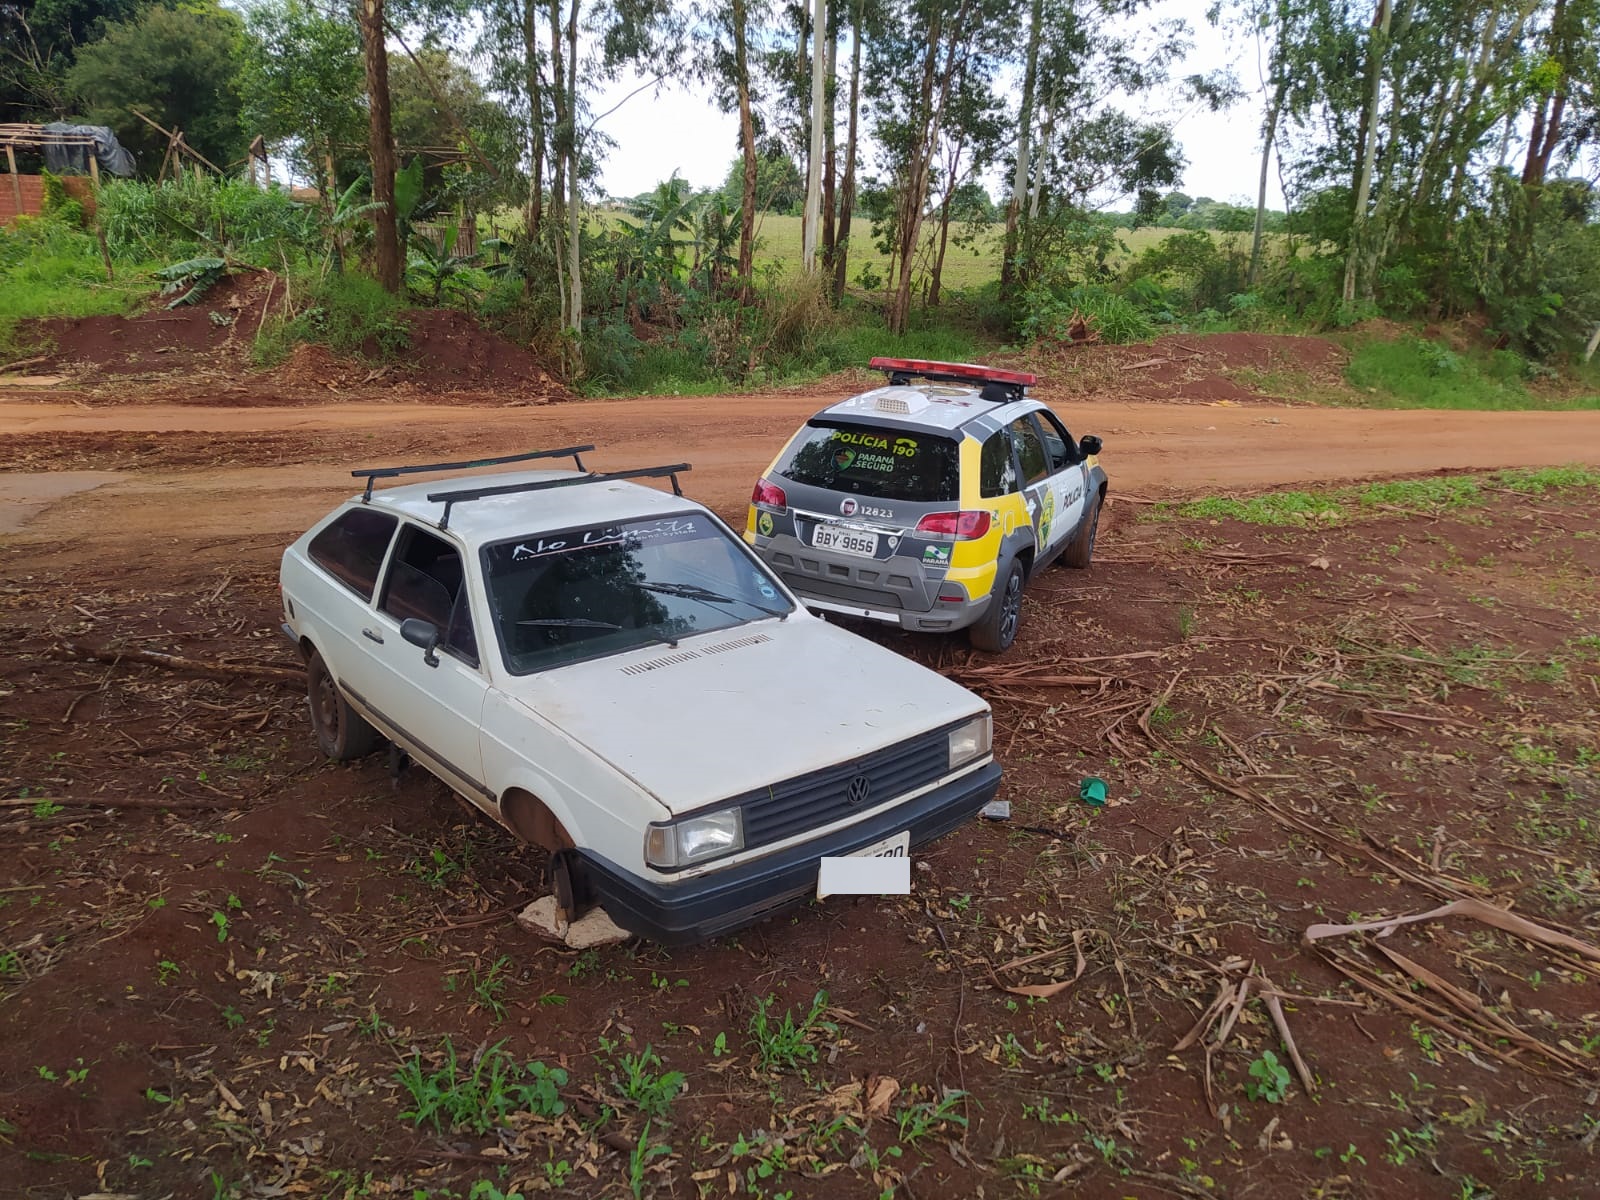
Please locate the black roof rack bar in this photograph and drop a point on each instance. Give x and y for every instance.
(450, 499)
(373, 473)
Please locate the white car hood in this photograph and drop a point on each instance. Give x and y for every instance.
(727, 712)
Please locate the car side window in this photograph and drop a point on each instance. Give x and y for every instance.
(352, 548)
(1035, 464)
(997, 470)
(1058, 443)
(426, 580)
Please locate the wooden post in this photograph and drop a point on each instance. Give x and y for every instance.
(16, 180)
(94, 168)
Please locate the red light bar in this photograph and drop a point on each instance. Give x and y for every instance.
(944, 370)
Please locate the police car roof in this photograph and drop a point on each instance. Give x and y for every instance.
(935, 406)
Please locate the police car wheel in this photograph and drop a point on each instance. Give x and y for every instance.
(997, 628)
(1080, 550)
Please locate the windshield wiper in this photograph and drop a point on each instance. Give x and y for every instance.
(690, 591)
(652, 631)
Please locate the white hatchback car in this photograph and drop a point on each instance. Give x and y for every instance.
(606, 669)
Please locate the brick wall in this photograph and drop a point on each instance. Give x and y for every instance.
(32, 196)
(79, 187)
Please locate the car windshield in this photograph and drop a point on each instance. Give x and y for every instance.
(889, 464)
(577, 594)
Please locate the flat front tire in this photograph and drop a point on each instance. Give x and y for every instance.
(342, 733)
(997, 628)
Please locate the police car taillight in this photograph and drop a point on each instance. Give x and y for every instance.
(768, 495)
(964, 526)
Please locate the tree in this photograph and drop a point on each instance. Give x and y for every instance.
(380, 143)
(928, 54)
(39, 43)
(724, 62)
(176, 66)
(300, 75)
(779, 187)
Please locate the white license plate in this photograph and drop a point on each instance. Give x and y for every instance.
(898, 846)
(881, 869)
(847, 541)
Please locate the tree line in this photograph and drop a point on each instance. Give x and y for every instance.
(1438, 155)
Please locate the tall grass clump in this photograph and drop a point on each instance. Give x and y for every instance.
(350, 313)
(1413, 372)
(177, 218)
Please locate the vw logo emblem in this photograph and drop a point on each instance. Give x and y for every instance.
(848, 507)
(858, 790)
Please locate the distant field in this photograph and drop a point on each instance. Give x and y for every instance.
(965, 266)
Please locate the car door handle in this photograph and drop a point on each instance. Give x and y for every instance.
(372, 636)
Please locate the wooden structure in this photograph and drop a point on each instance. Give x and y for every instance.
(24, 194)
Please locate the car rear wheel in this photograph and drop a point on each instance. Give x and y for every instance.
(997, 628)
(342, 733)
(1081, 549)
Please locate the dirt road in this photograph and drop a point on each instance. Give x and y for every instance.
(291, 462)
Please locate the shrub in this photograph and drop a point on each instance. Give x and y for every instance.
(1113, 316)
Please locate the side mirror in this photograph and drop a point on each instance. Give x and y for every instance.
(424, 634)
(1089, 445)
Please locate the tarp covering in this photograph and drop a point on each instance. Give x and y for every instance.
(74, 159)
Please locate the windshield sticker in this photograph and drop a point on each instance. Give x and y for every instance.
(903, 446)
(630, 537)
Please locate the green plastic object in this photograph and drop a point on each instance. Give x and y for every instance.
(1092, 791)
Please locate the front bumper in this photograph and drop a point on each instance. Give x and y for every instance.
(706, 905)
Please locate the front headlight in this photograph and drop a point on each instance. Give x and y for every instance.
(694, 839)
(970, 741)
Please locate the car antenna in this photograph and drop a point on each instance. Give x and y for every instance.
(372, 473)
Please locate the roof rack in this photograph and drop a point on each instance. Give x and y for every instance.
(372, 473)
(1008, 384)
(539, 485)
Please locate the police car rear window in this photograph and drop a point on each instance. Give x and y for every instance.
(890, 464)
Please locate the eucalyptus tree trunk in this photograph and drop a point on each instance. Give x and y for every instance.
(1269, 135)
(1377, 44)
(574, 211)
(811, 229)
(847, 196)
(1019, 176)
(380, 144)
(747, 145)
(914, 182)
(530, 50)
(561, 135)
(830, 231)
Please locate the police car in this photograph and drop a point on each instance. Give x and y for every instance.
(930, 502)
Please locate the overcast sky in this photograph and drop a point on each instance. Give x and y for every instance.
(679, 129)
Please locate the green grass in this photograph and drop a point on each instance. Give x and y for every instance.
(479, 1094)
(965, 267)
(1412, 372)
(1433, 495)
(350, 313)
(52, 270)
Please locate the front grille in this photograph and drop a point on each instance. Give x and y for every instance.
(821, 797)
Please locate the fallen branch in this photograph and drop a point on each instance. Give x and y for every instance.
(176, 662)
(115, 802)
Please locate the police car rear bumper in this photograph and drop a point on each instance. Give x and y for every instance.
(944, 617)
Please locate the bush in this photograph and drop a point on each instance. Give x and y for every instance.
(180, 218)
(349, 313)
(1113, 316)
(1413, 372)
